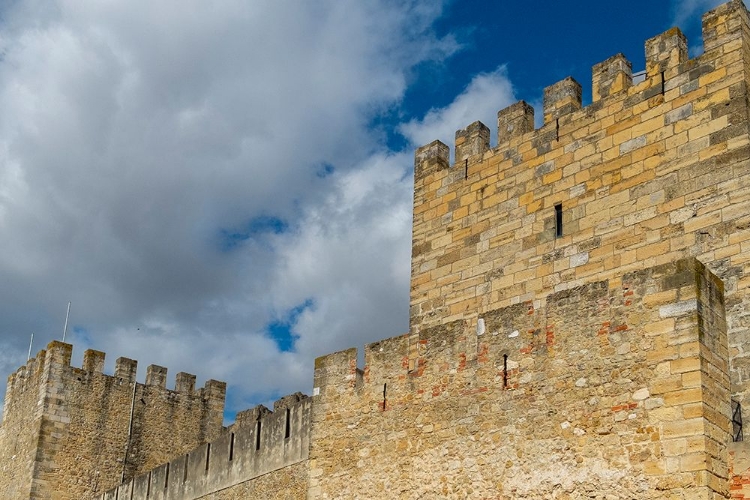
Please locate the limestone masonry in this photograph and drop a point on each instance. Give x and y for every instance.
(579, 326)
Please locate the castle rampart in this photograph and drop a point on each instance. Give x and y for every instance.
(549, 278)
(263, 443)
(75, 431)
(613, 386)
(579, 326)
(646, 174)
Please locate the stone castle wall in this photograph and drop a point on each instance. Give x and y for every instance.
(71, 428)
(19, 432)
(580, 381)
(289, 483)
(579, 323)
(264, 455)
(616, 388)
(646, 174)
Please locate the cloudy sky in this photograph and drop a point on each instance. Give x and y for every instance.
(224, 188)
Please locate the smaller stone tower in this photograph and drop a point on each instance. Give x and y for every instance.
(71, 433)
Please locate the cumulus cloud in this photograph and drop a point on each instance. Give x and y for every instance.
(190, 175)
(485, 95)
(352, 256)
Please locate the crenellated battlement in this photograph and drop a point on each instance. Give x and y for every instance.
(508, 348)
(121, 426)
(578, 323)
(666, 58)
(610, 77)
(580, 366)
(59, 354)
(260, 442)
(553, 207)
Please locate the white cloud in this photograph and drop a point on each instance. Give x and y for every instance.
(481, 100)
(136, 135)
(352, 256)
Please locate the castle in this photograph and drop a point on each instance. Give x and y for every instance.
(579, 326)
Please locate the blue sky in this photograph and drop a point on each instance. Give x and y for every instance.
(225, 188)
(540, 43)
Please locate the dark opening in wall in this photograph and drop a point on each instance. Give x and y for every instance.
(558, 220)
(208, 454)
(736, 421)
(231, 447)
(288, 426)
(257, 436)
(663, 81)
(166, 477)
(505, 371)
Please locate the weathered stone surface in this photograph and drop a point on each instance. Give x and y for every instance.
(289, 483)
(579, 325)
(556, 410)
(262, 456)
(67, 432)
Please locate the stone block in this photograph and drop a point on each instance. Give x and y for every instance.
(514, 121)
(562, 98)
(611, 76)
(665, 51)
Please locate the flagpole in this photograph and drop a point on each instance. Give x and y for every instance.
(65, 329)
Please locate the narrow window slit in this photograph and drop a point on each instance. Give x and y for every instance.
(737, 421)
(257, 436)
(185, 470)
(231, 447)
(148, 485)
(208, 454)
(466, 168)
(557, 129)
(558, 220)
(662, 83)
(288, 426)
(385, 387)
(505, 371)
(166, 477)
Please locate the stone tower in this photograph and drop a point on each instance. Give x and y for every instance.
(579, 298)
(70, 433)
(579, 327)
